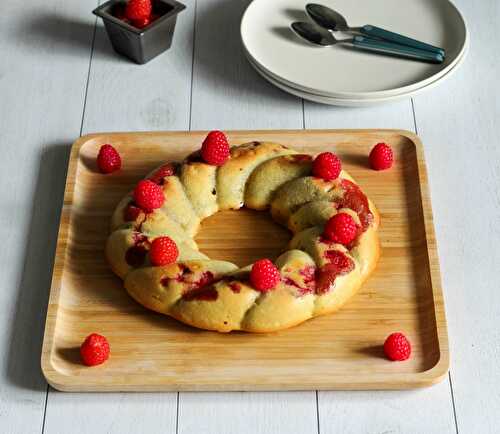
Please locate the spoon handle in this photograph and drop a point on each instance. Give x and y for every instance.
(377, 32)
(376, 45)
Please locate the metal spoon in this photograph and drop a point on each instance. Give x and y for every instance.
(319, 36)
(332, 20)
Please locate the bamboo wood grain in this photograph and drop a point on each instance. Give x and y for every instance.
(151, 352)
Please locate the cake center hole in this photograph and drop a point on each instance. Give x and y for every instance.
(242, 236)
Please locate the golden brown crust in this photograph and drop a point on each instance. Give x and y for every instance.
(269, 176)
(233, 175)
(199, 181)
(216, 295)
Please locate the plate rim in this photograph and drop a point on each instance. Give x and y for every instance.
(364, 95)
(352, 102)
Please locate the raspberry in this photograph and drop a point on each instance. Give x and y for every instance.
(164, 171)
(163, 251)
(397, 347)
(94, 350)
(138, 9)
(341, 228)
(108, 159)
(264, 275)
(327, 166)
(215, 148)
(381, 157)
(148, 195)
(142, 23)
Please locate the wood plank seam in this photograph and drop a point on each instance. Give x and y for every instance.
(88, 72)
(453, 401)
(452, 397)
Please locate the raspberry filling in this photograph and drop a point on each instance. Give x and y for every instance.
(339, 264)
(205, 293)
(195, 289)
(301, 158)
(159, 176)
(235, 287)
(136, 255)
(308, 281)
(131, 212)
(355, 199)
(194, 157)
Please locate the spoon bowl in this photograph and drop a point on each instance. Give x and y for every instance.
(327, 17)
(314, 34)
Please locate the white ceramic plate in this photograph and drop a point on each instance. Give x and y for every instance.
(347, 73)
(349, 102)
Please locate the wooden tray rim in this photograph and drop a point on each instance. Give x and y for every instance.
(63, 382)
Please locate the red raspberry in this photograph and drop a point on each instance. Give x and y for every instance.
(94, 350)
(327, 166)
(108, 159)
(138, 9)
(264, 275)
(381, 157)
(397, 347)
(163, 251)
(341, 228)
(164, 171)
(215, 148)
(148, 195)
(142, 23)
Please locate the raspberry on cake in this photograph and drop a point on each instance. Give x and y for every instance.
(327, 166)
(334, 247)
(341, 228)
(264, 275)
(163, 251)
(215, 148)
(148, 195)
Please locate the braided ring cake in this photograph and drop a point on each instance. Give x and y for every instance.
(317, 276)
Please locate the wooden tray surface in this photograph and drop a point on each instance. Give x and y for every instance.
(151, 352)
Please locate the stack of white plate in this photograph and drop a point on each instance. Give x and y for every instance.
(340, 75)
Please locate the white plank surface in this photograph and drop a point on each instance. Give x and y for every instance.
(227, 92)
(42, 84)
(111, 413)
(247, 412)
(459, 124)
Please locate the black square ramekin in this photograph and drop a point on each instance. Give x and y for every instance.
(141, 45)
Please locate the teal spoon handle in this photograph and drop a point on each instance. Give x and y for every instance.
(377, 32)
(379, 46)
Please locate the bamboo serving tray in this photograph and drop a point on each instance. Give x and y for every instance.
(151, 352)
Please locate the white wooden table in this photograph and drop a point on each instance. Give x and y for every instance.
(59, 78)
